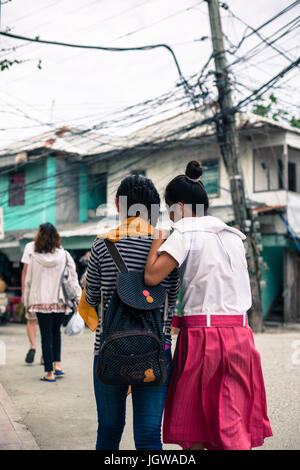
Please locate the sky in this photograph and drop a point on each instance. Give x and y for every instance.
(83, 87)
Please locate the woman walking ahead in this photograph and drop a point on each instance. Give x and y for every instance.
(44, 295)
(216, 397)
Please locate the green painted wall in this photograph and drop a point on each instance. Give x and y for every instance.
(78, 243)
(273, 257)
(39, 206)
(92, 192)
(49, 202)
(97, 190)
(83, 194)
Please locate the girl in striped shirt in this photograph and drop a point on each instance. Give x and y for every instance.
(133, 239)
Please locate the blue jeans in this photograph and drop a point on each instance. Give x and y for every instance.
(148, 406)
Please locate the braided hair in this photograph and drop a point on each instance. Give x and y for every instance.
(142, 198)
(188, 188)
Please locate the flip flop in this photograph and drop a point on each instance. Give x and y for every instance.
(59, 373)
(44, 379)
(30, 356)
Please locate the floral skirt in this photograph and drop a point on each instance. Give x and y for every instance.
(46, 308)
(217, 393)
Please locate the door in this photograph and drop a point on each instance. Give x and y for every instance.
(291, 286)
(298, 286)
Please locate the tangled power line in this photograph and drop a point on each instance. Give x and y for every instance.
(194, 92)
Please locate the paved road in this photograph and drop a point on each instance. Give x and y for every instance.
(63, 415)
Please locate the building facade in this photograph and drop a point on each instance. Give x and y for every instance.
(46, 179)
(270, 165)
(70, 179)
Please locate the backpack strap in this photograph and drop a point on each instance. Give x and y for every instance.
(62, 274)
(116, 256)
(165, 317)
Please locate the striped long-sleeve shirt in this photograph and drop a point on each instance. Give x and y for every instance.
(102, 273)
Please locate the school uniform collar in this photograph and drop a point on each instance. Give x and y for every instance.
(206, 223)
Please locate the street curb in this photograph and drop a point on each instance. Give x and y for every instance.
(14, 434)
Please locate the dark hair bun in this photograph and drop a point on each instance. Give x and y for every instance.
(193, 169)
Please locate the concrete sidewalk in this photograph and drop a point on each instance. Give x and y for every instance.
(63, 416)
(14, 435)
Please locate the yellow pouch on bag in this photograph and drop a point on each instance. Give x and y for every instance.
(87, 313)
(132, 227)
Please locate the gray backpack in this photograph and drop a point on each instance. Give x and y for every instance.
(68, 286)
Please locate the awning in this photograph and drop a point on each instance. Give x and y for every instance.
(265, 209)
(77, 236)
(74, 236)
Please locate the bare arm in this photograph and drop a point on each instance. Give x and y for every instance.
(158, 267)
(24, 272)
(27, 283)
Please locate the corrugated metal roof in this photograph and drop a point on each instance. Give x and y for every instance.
(70, 140)
(196, 123)
(254, 120)
(181, 127)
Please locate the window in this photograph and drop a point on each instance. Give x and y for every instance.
(268, 168)
(294, 169)
(210, 176)
(280, 175)
(97, 189)
(138, 172)
(16, 189)
(292, 181)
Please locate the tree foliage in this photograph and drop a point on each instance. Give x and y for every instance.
(269, 109)
(6, 64)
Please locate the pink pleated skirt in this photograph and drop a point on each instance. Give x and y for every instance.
(216, 393)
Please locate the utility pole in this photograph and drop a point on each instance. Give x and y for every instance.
(229, 147)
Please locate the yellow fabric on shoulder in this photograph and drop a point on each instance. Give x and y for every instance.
(88, 313)
(131, 227)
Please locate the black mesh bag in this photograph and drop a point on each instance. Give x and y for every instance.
(132, 338)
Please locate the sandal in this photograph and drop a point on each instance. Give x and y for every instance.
(30, 356)
(44, 379)
(59, 373)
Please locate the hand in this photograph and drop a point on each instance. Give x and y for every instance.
(175, 331)
(160, 234)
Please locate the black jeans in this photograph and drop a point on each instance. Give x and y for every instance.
(49, 324)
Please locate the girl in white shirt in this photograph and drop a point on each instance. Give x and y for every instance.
(216, 397)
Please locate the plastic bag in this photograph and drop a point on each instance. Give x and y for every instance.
(75, 326)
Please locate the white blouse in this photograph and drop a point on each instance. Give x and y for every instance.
(212, 266)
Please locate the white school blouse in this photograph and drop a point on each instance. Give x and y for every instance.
(212, 266)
